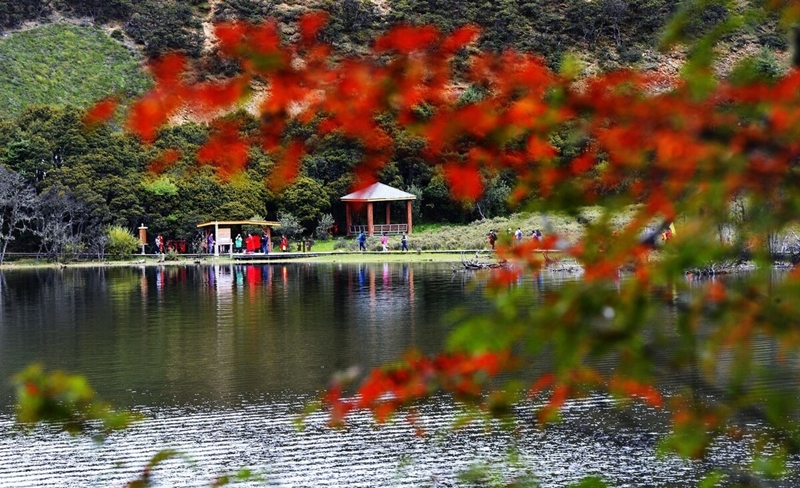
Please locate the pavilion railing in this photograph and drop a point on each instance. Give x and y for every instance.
(379, 229)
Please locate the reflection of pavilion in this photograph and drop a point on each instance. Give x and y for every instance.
(378, 192)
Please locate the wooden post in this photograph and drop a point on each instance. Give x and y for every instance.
(388, 213)
(408, 215)
(216, 236)
(370, 223)
(349, 217)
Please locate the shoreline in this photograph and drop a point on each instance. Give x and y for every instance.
(449, 256)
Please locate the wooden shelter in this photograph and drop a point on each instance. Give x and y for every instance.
(222, 231)
(378, 192)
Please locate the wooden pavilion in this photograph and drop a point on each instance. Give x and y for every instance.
(222, 231)
(378, 192)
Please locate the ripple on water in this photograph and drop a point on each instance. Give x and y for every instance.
(264, 438)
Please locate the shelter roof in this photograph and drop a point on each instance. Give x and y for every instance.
(377, 192)
(263, 223)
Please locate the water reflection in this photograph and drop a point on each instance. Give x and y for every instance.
(222, 356)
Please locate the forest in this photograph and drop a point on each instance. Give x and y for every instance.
(105, 176)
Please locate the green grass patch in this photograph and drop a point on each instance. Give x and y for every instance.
(62, 64)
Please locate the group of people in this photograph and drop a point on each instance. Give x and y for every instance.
(160, 244)
(362, 242)
(519, 235)
(252, 243)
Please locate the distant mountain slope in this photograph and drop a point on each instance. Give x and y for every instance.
(62, 64)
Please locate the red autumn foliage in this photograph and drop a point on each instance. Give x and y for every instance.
(386, 389)
(654, 147)
(225, 149)
(311, 24)
(465, 181)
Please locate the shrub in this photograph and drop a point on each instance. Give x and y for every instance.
(324, 227)
(121, 242)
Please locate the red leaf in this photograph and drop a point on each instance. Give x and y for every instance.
(288, 166)
(465, 182)
(264, 38)
(146, 116)
(167, 69)
(583, 163)
(460, 38)
(310, 24)
(539, 150)
(225, 149)
(230, 36)
(101, 112)
(211, 97)
(406, 39)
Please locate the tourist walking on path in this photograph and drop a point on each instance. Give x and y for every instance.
(404, 242)
(362, 242)
(518, 235)
(384, 242)
(264, 243)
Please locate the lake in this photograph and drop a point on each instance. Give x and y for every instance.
(221, 359)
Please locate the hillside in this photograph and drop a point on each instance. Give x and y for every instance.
(62, 64)
(46, 60)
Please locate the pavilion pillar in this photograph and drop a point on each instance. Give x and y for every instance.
(388, 213)
(370, 220)
(408, 215)
(216, 236)
(348, 217)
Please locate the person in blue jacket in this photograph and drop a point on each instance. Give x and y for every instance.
(362, 242)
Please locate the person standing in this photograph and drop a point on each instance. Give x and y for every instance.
(518, 235)
(238, 243)
(362, 242)
(492, 238)
(284, 244)
(211, 243)
(264, 243)
(384, 242)
(404, 242)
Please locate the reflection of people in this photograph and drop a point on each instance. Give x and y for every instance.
(362, 242)
(284, 244)
(404, 242)
(384, 242)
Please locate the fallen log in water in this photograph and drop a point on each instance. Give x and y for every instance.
(475, 263)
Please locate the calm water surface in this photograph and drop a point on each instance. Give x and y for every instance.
(222, 358)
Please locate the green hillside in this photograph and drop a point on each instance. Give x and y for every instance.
(62, 64)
